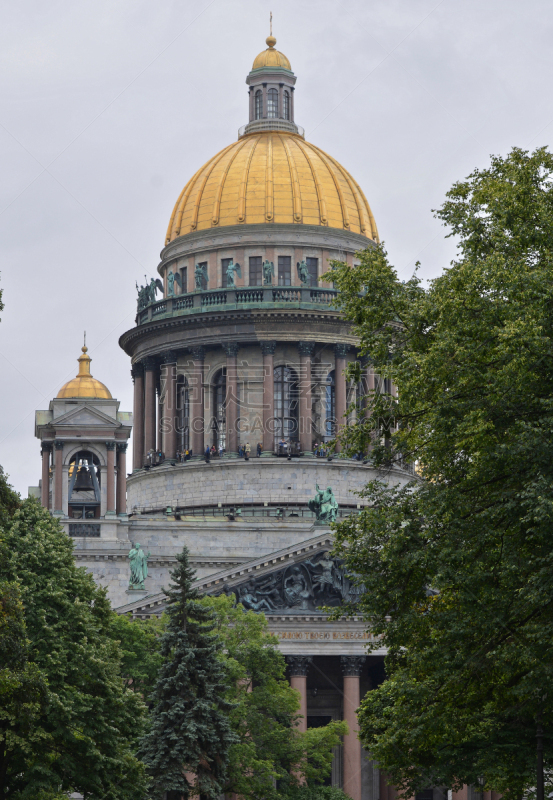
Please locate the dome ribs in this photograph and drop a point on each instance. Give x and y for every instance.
(210, 167)
(272, 177)
(244, 183)
(296, 189)
(364, 220)
(343, 205)
(269, 184)
(176, 220)
(308, 153)
(220, 187)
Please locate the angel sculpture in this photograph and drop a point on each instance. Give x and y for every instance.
(303, 272)
(231, 269)
(170, 283)
(200, 276)
(142, 296)
(268, 273)
(155, 284)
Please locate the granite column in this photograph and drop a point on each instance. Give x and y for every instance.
(340, 353)
(197, 403)
(268, 350)
(110, 478)
(58, 478)
(45, 489)
(231, 399)
(137, 373)
(306, 422)
(150, 367)
(351, 667)
(121, 479)
(168, 422)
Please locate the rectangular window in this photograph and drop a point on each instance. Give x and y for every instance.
(184, 279)
(312, 268)
(256, 271)
(284, 270)
(224, 264)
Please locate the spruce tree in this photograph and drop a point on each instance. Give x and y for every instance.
(190, 732)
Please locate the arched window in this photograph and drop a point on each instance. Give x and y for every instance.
(330, 416)
(183, 415)
(259, 104)
(286, 105)
(286, 401)
(219, 422)
(84, 486)
(272, 104)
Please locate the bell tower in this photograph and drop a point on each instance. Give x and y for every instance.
(84, 440)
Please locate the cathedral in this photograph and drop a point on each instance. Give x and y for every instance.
(238, 357)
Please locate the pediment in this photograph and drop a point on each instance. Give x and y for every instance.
(297, 580)
(84, 416)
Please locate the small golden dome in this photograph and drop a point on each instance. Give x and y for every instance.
(272, 176)
(271, 57)
(84, 385)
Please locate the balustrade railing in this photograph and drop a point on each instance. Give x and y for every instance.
(260, 295)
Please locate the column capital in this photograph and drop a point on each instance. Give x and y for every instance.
(46, 447)
(341, 350)
(268, 347)
(110, 445)
(298, 665)
(352, 665)
(198, 353)
(231, 349)
(58, 445)
(137, 370)
(306, 348)
(150, 363)
(170, 357)
(122, 448)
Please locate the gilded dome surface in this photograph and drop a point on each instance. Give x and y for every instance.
(272, 176)
(84, 385)
(271, 57)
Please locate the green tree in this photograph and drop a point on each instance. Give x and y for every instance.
(190, 731)
(264, 711)
(82, 734)
(140, 646)
(457, 567)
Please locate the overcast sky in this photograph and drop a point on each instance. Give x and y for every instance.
(109, 106)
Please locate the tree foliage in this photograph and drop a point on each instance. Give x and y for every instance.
(458, 566)
(264, 711)
(187, 744)
(140, 645)
(67, 723)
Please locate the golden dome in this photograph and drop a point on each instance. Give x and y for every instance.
(273, 176)
(271, 57)
(84, 385)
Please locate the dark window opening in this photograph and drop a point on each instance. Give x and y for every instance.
(286, 105)
(286, 401)
(272, 104)
(259, 104)
(256, 271)
(219, 424)
(330, 420)
(184, 279)
(285, 270)
(183, 415)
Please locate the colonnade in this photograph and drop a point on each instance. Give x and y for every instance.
(156, 423)
(352, 666)
(115, 476)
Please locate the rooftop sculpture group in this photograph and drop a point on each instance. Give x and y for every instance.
(147, 293)
(302, 587)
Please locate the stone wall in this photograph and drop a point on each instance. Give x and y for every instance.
(235, 481)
